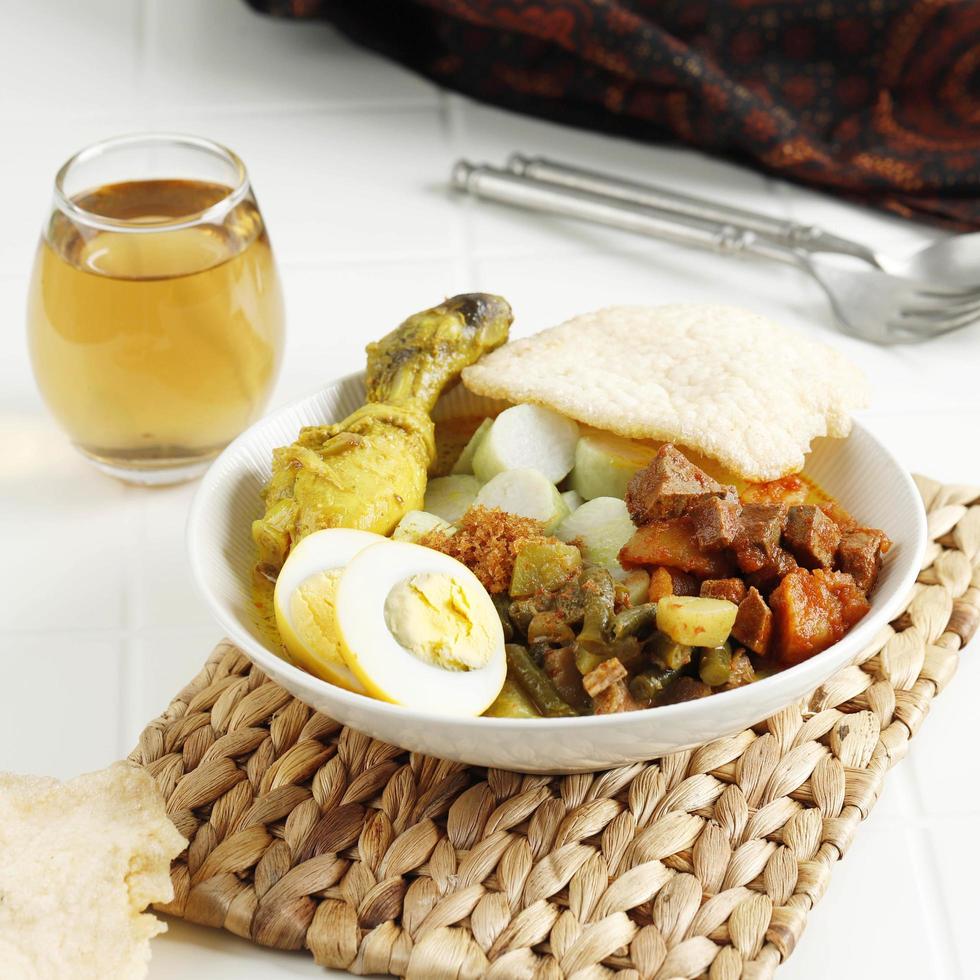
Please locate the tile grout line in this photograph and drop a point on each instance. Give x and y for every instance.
(141, 68)
(780, 191)
(930, 882)
(131, 673)
(931, 900)
(348, 107)
(916, 824)
(464, 259)
(776, 191)
(559, 250)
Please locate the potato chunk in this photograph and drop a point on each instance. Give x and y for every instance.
(696, 621)
(671, 542)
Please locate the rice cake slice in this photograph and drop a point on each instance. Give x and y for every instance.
(718, 379)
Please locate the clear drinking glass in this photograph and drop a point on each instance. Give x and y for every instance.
(155, 315)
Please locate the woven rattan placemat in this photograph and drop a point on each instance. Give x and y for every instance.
(304, 834)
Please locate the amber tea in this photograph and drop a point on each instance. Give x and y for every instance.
(155, 328)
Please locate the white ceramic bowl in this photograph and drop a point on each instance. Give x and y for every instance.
(858, 471)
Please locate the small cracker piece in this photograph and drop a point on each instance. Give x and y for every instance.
(724, 381)
(81, 861)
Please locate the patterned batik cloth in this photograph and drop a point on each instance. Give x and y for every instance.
(876, 100)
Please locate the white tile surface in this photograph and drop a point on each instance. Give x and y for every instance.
(221, 54)
(69, 60)
(949, 843)
(160, 661)
(81, 677)
(871, 881)
(67, 529)
(158, 581)
(349, 155)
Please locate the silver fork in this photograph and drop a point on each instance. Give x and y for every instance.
(869, 303)
(953, 260)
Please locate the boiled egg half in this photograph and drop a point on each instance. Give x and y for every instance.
(417, 628)
(305, 601)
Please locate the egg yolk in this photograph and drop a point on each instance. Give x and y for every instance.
(314, 614)
(430, 615)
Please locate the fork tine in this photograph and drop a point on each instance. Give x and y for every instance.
(933, 291)
(913, 298)
(941, 311)
(900, 335)
(934, 326)
(964, 305)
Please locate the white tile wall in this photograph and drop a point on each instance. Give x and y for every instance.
(349, 155)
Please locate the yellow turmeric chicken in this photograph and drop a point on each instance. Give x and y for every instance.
(368, 471)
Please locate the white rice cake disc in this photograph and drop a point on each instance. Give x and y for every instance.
(721, 380)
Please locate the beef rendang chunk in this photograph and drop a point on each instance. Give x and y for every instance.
(732, 589)
(800, 574)
(812, 536)
(757, 540)
(859, 554)
(715, 521)
(668, 487)
(753, 623)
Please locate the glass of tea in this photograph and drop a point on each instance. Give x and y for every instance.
(155, 314)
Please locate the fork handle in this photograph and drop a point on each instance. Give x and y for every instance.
(506, 187)
(789, 234)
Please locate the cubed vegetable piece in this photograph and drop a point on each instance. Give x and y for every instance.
(661, 584)
(464, 464)
(635, 620)
(544, 566)
(417, 523)
(648, 684)
(450, 497)
(512, 702)
(637, 585)
(527, 437)
(742, 672)
(605, 463)
(587, 660)
(615, 699)
(670, 653)
(536, 683)
(811, 611)
(602, 676)
(684, 689)
(601, 526)
(562, 668)
(572, 500)
(525, 492)
(696, 621)
(715, 665)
